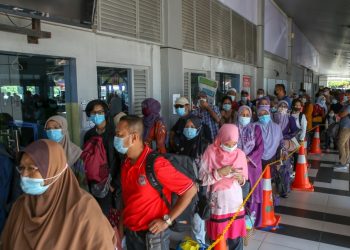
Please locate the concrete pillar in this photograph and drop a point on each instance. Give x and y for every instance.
(290, 54)
(260, 45)
(172, 72)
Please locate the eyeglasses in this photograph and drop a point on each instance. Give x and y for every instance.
(179, 106)
(30, 170)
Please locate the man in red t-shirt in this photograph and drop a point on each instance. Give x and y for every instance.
(145, 215)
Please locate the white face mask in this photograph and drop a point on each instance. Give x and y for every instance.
(228, 149)
(282, 110)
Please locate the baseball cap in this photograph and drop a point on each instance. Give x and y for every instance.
(181, 101)
(232, 89)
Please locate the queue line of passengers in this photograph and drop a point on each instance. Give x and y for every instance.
(229, 148)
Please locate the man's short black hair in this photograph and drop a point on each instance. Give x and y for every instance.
(226, 97)
(90, 106)
(295, 101)
(135, 123)
(282, 86)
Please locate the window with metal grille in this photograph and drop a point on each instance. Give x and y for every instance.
(140, 90)
(211, 27)
(188, 24)
(133, 18)
(249, 56)
(238, 37)
(221, 29)
(202, 26)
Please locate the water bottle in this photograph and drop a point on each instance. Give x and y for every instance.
(250, 220)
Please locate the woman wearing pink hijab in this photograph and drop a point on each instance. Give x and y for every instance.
(224, 170)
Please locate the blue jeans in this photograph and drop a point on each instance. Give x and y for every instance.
(198, 229)
(144, 240)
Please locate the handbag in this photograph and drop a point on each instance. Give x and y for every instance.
(291, 145)
(245, 189)
(101, 189)
(203, 206)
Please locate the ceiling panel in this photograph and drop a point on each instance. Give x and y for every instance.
(326, 23)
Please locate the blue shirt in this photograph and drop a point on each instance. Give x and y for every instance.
(288, 100)
(345, 121)
(208, 120)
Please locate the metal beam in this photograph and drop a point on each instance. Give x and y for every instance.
(31, 33)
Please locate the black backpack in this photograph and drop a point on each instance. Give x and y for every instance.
(186, 166)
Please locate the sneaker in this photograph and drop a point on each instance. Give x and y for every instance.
(341, 167)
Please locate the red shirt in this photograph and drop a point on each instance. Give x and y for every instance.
(142, 203)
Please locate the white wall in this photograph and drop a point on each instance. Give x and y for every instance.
(204, 63)
(271, 65)
(304, 53)
(89, 49)
(276, 30)
(246, 8)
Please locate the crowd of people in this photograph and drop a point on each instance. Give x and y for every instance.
(93, 196)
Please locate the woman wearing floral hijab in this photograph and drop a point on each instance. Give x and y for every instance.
(251, 142)
(52, 213)
(224, 170)
(289, 130)
(155, 131)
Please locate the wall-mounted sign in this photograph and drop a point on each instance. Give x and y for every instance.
(247, 81)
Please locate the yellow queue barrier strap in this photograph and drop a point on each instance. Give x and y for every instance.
(221, 237)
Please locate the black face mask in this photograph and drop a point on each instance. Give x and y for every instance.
(275, 93)
(296, 109)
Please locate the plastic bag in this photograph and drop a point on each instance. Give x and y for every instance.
(189, 244)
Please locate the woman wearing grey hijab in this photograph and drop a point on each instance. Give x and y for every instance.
(56, 128)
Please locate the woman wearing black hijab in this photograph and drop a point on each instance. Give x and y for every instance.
(192, 142)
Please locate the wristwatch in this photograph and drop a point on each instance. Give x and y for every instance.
(167, 220)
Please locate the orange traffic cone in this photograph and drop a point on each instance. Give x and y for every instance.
(269, 219)
(301, 181)
(316, 142)
(221, 245)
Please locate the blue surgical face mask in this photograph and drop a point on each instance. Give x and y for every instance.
(119, 144)
(264, 119)
(190, 133)
(244, 99)
(232, 97)
(334, 101)
(36, 186)
(323, 102)
(97, 119)
(244, 121)
(180, 111)
(227, 107)
(228, 149)
(55, 135)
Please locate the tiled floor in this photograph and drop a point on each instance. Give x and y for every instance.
(317, 220)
